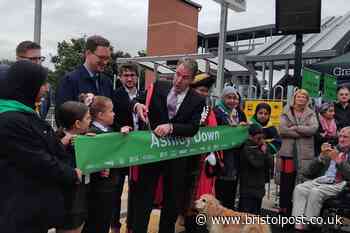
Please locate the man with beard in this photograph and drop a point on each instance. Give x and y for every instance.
(128, 74)
(89, 79)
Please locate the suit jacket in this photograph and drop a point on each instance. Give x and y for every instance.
(319, 166)
(253, 164)
(121, 102)
(186, 121)
(79, 81)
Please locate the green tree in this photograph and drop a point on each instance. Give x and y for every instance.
(69, 57)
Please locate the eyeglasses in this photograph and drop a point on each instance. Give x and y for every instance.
(102, 58)
(41, 58)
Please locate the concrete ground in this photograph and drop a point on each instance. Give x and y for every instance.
(270, 203)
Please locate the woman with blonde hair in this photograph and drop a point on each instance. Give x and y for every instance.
(297, 129)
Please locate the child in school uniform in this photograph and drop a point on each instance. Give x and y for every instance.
(102, 184)
(74, 119)
(253, 161)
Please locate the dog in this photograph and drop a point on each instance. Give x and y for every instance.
(209, 206)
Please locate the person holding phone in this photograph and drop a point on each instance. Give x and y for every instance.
(329, 173)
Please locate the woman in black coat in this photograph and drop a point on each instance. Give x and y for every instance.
(228, 112)
(32, 174)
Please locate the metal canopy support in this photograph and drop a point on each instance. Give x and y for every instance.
(286, 57)
(298, 59)
(287, 68)
(165, 58)
(262, 86)
(270, 79)
(37, 21)
(207, 66)
(155, 65)
(251, 86)
(221, 49)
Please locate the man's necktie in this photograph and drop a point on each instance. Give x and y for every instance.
(97, 83)
(172, 104)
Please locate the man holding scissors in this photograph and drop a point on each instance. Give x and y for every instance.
(174, 110)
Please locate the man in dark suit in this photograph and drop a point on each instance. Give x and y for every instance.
(128, 75)
(88, 78)
(174, 110)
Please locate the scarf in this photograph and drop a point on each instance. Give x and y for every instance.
(255, 121)
(14, 106)
(328, 126)
(231, 114)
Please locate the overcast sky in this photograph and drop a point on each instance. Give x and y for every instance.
(123, 22)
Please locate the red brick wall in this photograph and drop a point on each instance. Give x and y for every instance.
(172, 29)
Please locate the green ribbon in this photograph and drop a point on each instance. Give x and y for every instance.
(14, 106)
(115, 150)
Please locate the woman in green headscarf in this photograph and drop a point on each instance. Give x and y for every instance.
(228, 112)
(32, 173)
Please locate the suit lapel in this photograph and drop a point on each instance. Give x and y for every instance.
(185, 102)
(126, 96)
(163, 95)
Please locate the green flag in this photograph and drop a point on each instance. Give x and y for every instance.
(114, 150)
(330, 87)
(311, 82)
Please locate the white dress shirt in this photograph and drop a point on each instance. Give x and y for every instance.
(132, 95)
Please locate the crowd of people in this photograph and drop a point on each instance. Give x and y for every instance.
(43, 188)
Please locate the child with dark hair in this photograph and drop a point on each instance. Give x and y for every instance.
(74, 120)
(271, 136)
(253, 162)
(102, 184)
(262, 117)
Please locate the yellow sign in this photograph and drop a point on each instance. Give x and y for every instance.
(276, 109)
